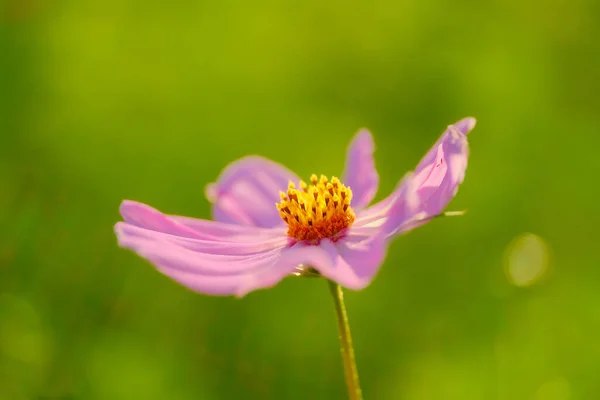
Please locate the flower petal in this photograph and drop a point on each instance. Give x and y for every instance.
(206, 256)
(246, 192)
(466, 125)
(442, 170)
(402, 204)
(211, 274)
(129, 233)
(428, 190)
(144, 216)
(351, 261)
(360, 173)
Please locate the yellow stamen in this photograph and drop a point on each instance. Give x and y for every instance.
(316, 211)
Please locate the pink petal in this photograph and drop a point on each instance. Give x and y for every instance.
(246, 192)
(428, 190)
(352, 261)
(442, 170)
(466, 125)
(390, 212)
(232, 245)
(142, 215)
(223, 260)
(360, 173)
(212, 229)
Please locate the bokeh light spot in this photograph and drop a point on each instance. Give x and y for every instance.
(526, 259)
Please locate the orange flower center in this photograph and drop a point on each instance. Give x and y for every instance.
(317, 211)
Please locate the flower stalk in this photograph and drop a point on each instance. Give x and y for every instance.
(347, 350)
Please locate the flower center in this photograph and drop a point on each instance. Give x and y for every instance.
(317, 211)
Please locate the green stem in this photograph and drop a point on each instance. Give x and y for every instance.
(350, 370)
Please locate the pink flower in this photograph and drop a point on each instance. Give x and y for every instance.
(269, 224)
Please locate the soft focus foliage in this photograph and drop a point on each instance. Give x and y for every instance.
(148, 100)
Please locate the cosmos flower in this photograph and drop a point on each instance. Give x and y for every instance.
(268, 224)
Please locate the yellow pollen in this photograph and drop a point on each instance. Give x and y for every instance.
(318, 210)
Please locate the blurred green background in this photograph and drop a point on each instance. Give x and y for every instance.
(108, 100)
